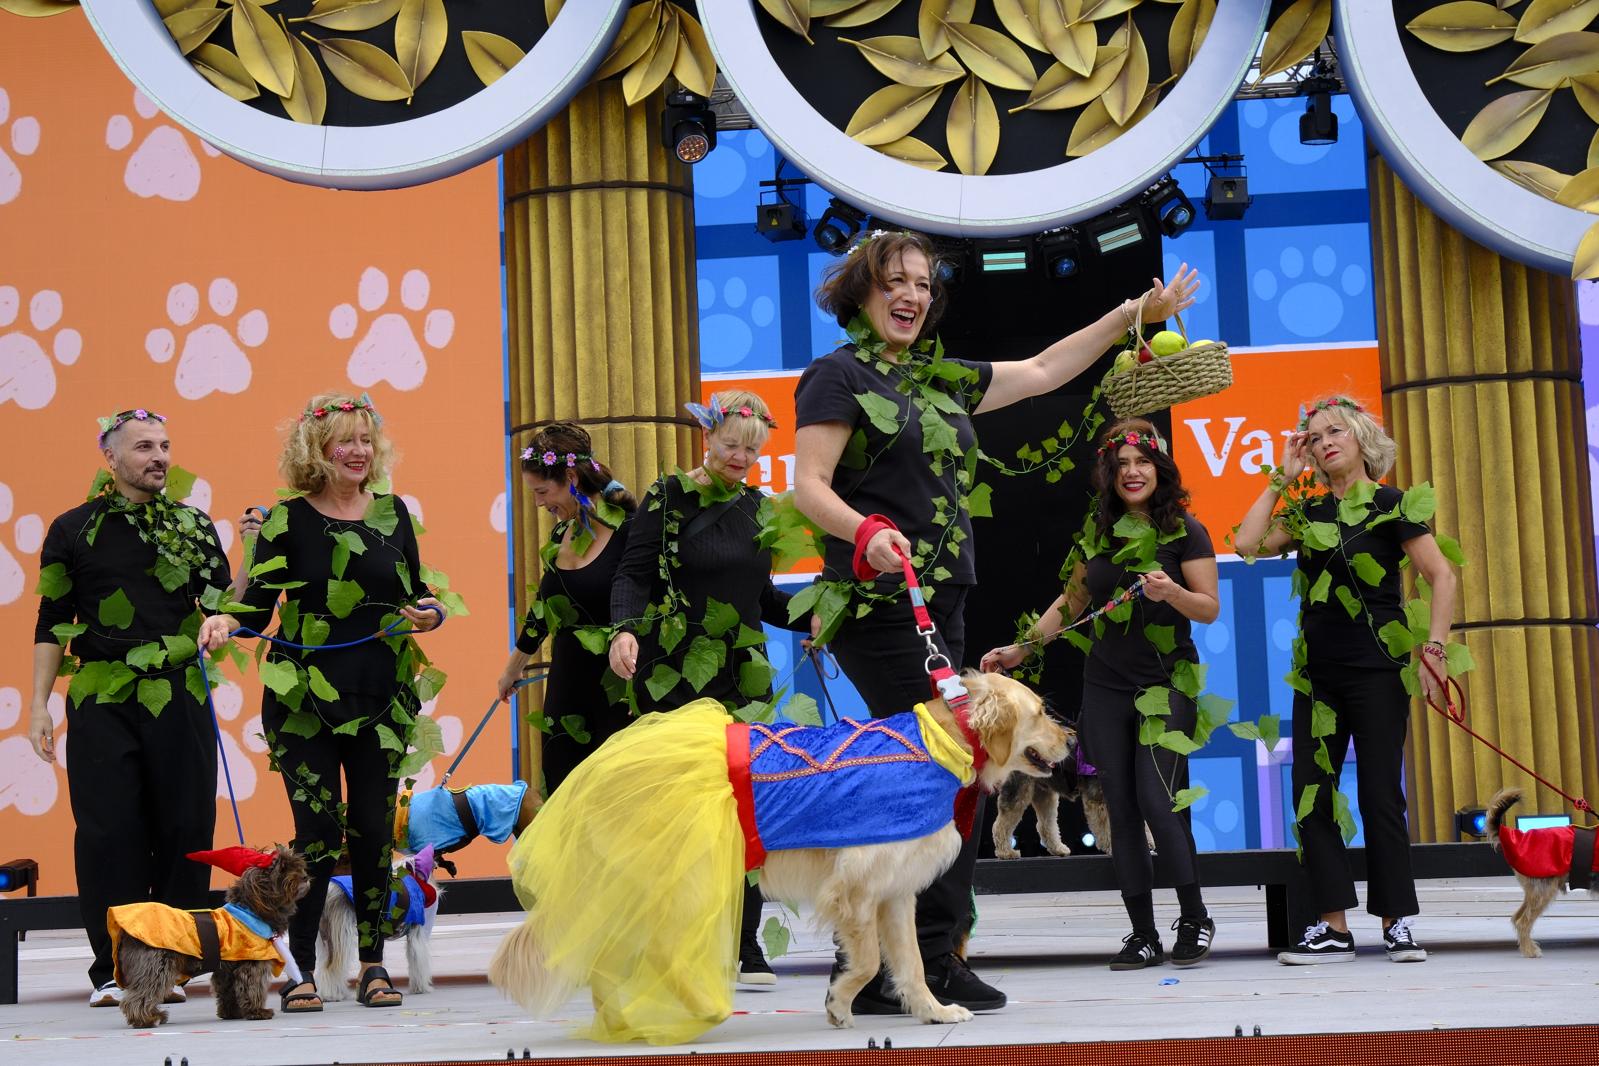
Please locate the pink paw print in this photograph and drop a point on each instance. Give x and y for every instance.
(389, 349)
(212, 359)
(28, 534)
(163, 165)
(24, 140)
(27, 782)
(27, 375)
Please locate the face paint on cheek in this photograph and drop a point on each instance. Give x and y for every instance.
(338, 453)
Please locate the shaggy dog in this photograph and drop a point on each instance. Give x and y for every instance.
(1544, 861)
(1069, 781)
(865, 892)
(448, 819)
(228, 942)
(415, 902)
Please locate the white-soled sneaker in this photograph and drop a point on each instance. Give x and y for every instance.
(107, 995)
(1321, 943)
(1401, 943)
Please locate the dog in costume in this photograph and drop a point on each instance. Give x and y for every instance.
(1545, 861)
(157, 947)
(414, 902)
(633, 873)
(448, 819)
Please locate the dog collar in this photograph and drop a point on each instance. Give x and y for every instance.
(249, 919)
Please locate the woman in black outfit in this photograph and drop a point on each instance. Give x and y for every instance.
(1174, 570)
(693, 546)
(1348, 668)
(579, 563)
(351, 557)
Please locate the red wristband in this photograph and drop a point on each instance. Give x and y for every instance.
(870, 526)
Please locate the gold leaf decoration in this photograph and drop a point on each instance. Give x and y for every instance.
(901, 60)
(365, 69)
(38, 9)
(930, 20)
(821, 9)
(1294, 36)
(1070, 41)
(1581, 192)
(891, 113)
(420, 33)
(645, 76)
(1534, 177)
(551, 9)
(1544, 19)
(861, 14)
(973, 125)
(916, 153)
(1547, 65)
(694, 66)
(1020, 19)
(1586, 90)
(638, 32)
(1094, 10)
(190, 28)
(351, 15)
(1505, 123)
(794, 15)
(1465, 26)
(167, 8)
(1061, 87)
(222, 68)
(1593, 151)
(1585, 264)
(1126, 93)
(1094, 129)
(262, 47)
(992, 56)
(308, 103)
(491, 55)
(1188, 29)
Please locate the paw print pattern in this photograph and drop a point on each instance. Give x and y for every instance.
(229, 701)
(1309, 304)
(497, 519)
(27, 534)
(737, 331)
(212, 359)
(389, 349)
(27, 782)
(452, 730)
(27, 374)
(24, 140)
(163, 165)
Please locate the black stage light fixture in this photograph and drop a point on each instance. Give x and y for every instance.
(1227, 197)
(688, 126)
(1061, 253)
(781, 221)
(838, 226)
(19, 874)
(1471, 823)
(1002, 256)
(1115, 230)
(1172, 210)
(951, 259)
(1318, 125)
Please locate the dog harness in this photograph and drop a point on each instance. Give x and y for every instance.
(451, 818)
(1563, 851)
(231, 933)
(852, 783)
(414, 897)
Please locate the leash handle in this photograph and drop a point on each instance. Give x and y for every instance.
(445, 780)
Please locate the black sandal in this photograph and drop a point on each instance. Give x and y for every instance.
(291, 997)
(368, 995)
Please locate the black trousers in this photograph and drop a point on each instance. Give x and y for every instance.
(1372, 707)
(1135, 778)
(369, 794)
(887, 663)
(143, 789)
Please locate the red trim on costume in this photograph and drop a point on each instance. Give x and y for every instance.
(1540, 852)
(966, 798)
(870, 526)
(738, 775)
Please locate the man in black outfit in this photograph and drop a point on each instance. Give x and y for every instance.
(142, 777)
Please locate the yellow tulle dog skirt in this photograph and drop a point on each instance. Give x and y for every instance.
(633, 875)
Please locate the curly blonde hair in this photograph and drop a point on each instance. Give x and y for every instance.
(304, 465)
(1377, 449)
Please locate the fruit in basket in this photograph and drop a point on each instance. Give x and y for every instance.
(1167, 342)
(1144, 354)
(1207, 340)
(1124, 361)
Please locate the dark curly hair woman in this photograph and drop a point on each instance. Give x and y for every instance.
(1142, 547)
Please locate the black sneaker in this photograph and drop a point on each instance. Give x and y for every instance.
(953, 984)
(1321, 943)
(1401, 944)
(1137, 952)
(753, 969)
(1193, 940)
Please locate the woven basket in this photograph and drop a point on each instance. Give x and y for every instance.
(1198, 370)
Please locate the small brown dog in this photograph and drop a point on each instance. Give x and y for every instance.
(1545, 861)
(1043, 794)
(157, 947)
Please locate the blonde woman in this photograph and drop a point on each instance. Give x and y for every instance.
(345, 562)
(1345, 665)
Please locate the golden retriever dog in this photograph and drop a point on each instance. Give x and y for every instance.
(1544, 861)
(865, 893)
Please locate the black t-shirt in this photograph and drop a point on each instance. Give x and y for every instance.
(575, 672)
(1123, 657)
(1332, 637)
(892, 475)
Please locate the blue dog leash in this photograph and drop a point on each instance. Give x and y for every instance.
(445, 780)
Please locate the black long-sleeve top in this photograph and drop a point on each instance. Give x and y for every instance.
(721, 562)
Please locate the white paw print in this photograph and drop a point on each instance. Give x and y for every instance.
(26, 374)
(1309, 305)
(163, 165)
(24, 141)
(212, 359)
(27, 782)
(229, 701)
(389, 349)
(199, 498)
(28, 535)
(497, 514)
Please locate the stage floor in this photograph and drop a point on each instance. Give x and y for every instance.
(1047, 953)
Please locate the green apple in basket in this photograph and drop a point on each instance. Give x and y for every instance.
(1124, 362)
(1167, 342)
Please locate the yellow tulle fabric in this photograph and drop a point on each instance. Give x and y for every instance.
(633, 877)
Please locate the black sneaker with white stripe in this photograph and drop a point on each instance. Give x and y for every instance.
(1137, 952)
(1321, 943)
(1401, 943)
(1193, 940)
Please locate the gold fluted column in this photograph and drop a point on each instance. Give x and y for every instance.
(601, 306)
(1482, 383)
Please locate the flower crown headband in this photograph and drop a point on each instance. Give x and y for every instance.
(111, 424)
(362, 404)
(1323, 405)
(713, 416)
(868, 239)
(1135, 436)
(553, 460)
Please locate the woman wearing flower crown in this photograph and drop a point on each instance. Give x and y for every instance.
(1143, 551)
(592, 512)
(1352, 541)
(884, 434)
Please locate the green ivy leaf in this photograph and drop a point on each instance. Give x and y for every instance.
(118, 684)
(1323, 720)
(705, 656)
(87, 681)
(350, 728)
(719, 617)
(882, 411)
(320, 688)
(749, 638)
(1150, 730)
(194, 681)
(833, 607)
(267, 566)
(674, 627)
(303, 724)
(802, 710)
(804, 601)
(388, 740)
(1214, 711)
(65, 631)
(1318, 591)
(1451, 549)
(1458, 660)
(662, 679)
(314, 631)
(277, 521)
(1164, 638)
(1188, 797)
(344, 595)
(1307, 802)
(116, 610)
(1349, 600)
(1078, 641)
(1181, 743)
(755, 676)
(345, 543)
(774, 934)
(1341, 815)
(279, 676)
(170, 575)
(146, 656)
(1397, 637)
(380, 515)
(1368, 569)
(576, 727)
(938, 436)
(979, 502)
(1189, 678)
(1155, 701)
(180, 482)
(452, 602)
(154, 693)
(1418, 503)
(1320, 536)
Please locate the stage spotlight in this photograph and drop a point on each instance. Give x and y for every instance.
(1088, 840)
(1227, 198)
(1002, 257)
(1318, 125)
(780, 221)
(1121, 228)
(688, 126)
(1061, 253)
(19, 874)
(950, 261)
(1528, 822)
(838, 226)
(1172, 210)
(1471, 822)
